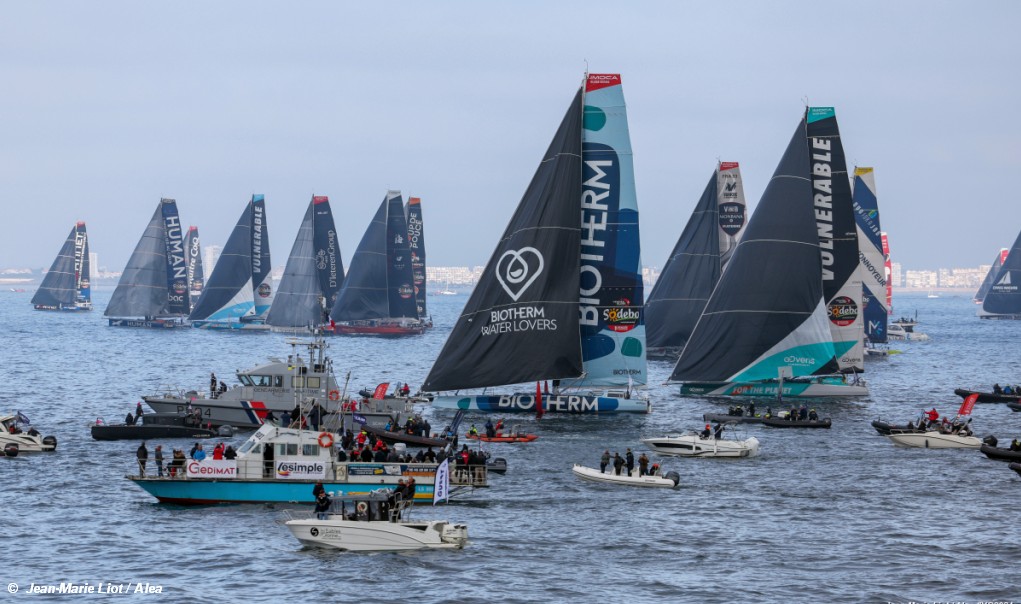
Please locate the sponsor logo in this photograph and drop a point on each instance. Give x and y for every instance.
(414, 230)
(398, 239)
(563, 403)
(525, 318)
(180, 287)
(796, 360)
(516, 270)
(623, 317)
(84, 284)
(257, 220)
(300, 469)
(405, 291)
(314, 531)
(599, 197)
(732, 216)
(321, 259)
(212, 468)
(822, 184)
(265, 290)
(842, 311)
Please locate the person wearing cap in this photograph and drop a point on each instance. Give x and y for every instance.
(706, 431)
(630, 461)
(143, 455)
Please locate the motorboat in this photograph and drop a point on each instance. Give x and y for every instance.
(898, 331)
(692, 444)
(158, 425)
(934, 439)
(737, 419)
(18, 436)
(783, 422)
(669, 480)
(274, 387)
(375, 522)
(988, 397)
(885, 428)
(1016, 467)
(990, 450)
(503, 437)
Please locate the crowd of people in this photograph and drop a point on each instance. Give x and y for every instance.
(1008, 389)
(176, 465)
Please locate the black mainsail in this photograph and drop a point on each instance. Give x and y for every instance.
(66, 285)
(1003, 300)
(196, 275)
(416, 243)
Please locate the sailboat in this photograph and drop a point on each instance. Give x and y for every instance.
(781, 321)
(196, 276)
(696, 263)
(872, 261)
(560, 300)
(1003, 300)
(66, 285)
(378, 294)
(153, 289)
(987, 283)
(416, 245)
(313, 274)
(239, 293)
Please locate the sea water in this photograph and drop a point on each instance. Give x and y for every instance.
(820, 516)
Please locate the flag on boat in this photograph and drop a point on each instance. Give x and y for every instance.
(22, 419)
(441, 489)
(538, 401)
(381, 389)
(968, 405)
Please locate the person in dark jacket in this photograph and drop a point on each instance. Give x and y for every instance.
(267, 460)
(322, 503)
(604, 461)
(630, 460)
(143, 455)
(366, 454)
(643, 464)
(618, 462)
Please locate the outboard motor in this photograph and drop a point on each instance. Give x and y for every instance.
(990, 440)
(674, 476)
(50, 441)
(225, 430)
(11, 450)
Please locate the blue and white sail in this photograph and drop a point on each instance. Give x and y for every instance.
(66, 286)
(612, 325)
(1003, 300)
(870, 255)
(767, 314)
(154, 283)
(239, 291)
(313, 274)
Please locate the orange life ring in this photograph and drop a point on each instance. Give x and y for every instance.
(325, 440)
(334, 395)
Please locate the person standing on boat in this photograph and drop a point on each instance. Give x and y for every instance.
(706, 432)
(932, 416)
(159, 461)
(230, 453)
(718, 431)
(490, 430)
(618, 462)
(630, 461)
(643, 464)
(212, 385)
(199, 454)
(267, 460)
(604, 461)
(143, 455)
(322, 503)
(138, 412)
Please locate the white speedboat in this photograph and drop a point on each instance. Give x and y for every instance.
(18, 436)
(669, 480)
(375, 522)
(935, 440)
(693, 445)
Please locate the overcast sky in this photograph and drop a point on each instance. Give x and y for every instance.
(108, 106)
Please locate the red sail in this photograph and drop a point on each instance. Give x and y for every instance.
(967, 405)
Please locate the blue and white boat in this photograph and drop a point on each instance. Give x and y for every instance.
(299, 460)
(66, 285)
(561, 300)
(153, 289)
(784, 318)
(239, 292)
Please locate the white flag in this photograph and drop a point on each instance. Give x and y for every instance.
(441, 488)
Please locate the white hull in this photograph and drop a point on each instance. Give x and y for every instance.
(691, 445)
(636, 481)
(935, 440)
(25, 442)
(378, 536)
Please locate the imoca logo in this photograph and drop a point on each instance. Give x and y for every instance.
(517, 269)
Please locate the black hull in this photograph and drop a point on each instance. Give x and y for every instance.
(1000, 454)
(737, 419)
(1016, 467)
(885, 428)
(409, 440)
(144, 432)
(1014, 406)
(776, 422)
(988, 397)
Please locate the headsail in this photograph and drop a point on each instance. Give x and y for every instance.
(154, 282)
(888, 271)
(229, 293)
(1003, 300)
(196, 276)
(697, 261)
(870, 254)
(838, 238)
(521, 322)
(66, 285)
(1001, 257)
(313, 272)
(400, 281)
(767, 311)
(416, 242)
(262, 265)
(611, 289)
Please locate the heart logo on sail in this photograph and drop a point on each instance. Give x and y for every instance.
(518, 269)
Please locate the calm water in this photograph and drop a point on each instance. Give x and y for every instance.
(820, 516)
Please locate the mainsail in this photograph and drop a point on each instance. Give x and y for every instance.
(379, 281)
(1001, 257)
(696, 262)
(154, 282)
(872, 264)
(239, 287)
(521, 323)
(1003, 300)
(838, 238)
(66, 285)
(611, 288)
(313, 273)
(416, 243)
(196, 276)
(767, 311)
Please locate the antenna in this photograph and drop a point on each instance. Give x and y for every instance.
(804, 100)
